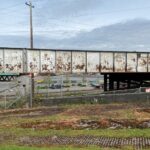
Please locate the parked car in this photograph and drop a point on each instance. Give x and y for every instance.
(56, 86)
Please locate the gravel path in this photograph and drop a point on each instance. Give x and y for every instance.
(137, 142)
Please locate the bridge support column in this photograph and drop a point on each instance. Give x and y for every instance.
(118, 84)
(128, 84)
(111, 83)
(105, 82)
(120, 81)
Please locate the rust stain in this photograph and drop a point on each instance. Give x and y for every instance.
(143, 62)
(120, 62)
(97, 67)
(93, 61)
(131, 69)
(45, 67)
(80, 67)
(78, 61)
(131, 62)
(48, 64)
(33, 61)
(13, 60)
(63, 62)
(142, 59)
(13, 67)
(107, 68)
(32, 65)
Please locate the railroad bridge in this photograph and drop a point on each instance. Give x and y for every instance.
(121, 69)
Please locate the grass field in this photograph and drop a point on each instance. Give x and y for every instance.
(12, 147)
(71, 121)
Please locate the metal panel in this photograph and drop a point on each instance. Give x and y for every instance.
(93, 64)
(33, 61)
(142, 62)
(63, 61)
(106, 62)
(24, 55)
(13, 61)
(48, 61)
(78, 62)
(119, 62)
(1, 61)
(131, 62)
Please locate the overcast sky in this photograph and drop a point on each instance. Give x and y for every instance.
(77, 24)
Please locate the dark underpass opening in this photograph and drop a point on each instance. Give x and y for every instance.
(120, 81)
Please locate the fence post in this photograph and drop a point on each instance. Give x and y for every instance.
(61, 85)
(32, 89)
(139, 89)
(147, 98)
(30, 101)
(5, 99)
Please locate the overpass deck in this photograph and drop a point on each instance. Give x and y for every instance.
(128, 67)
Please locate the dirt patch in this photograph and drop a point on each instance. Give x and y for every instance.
(96, 109)
(142, 113)
(87, 124)
(37, 112)
(147, 110)
(49, 125)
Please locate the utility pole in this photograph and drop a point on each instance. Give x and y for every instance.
(31, 46)
(31, 27)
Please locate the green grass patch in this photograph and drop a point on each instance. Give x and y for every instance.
(15, 147)
(68, 132)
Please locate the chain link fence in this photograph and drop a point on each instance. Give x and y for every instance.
(15, 94)
(63, 89)
(66, 85)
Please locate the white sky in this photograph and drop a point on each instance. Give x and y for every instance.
(61, 19)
